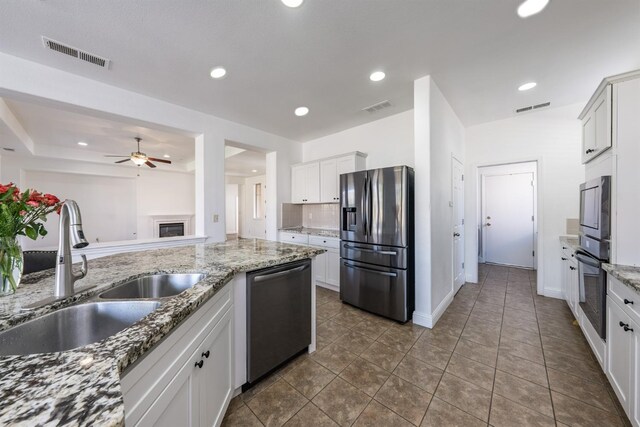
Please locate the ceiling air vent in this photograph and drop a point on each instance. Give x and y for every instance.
(76, 53)
(533, 107)
(377, 107)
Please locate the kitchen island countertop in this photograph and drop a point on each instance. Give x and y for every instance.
(82, 386)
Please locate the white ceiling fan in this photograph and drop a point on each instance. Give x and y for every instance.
(140, 158)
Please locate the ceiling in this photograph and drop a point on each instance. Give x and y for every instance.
(242, 162)
(321, 54)
(54, 130)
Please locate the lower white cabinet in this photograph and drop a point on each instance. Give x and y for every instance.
(326, 266)
(187, 380)
(569, 279)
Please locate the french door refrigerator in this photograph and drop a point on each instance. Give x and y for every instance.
(377, 247)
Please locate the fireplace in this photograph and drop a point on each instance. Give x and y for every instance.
(171, 229)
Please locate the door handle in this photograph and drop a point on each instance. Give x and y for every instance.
(572, 268)
(589, 151)
(370, 270)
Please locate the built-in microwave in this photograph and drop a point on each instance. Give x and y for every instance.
(595, 208)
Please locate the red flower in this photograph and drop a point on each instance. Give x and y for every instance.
(50, 200)
(33, 203)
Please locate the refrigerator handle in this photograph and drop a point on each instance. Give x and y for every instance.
(370, 206)
(363, 205)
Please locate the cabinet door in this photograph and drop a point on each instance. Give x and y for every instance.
(635, 369)
(573, 284)
(588, 137)
(320, 268)
(215, 378)
(620, 342)
(329, 181)
(175, 406)
(333, 267)
(602, 117)
(312, 183)
(298, 183)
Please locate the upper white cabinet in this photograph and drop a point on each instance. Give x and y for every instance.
(319, 181)
(597, 125)
(305, 183)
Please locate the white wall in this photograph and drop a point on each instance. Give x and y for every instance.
(553, 138)
(232, 204)
(36, 82)
(387, 142)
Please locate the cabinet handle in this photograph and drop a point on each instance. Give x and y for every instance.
(564, 247)
(199, 364)
(589, 151)
(563, 258)
(206, 354)
(572, 268)
(625, 326)
(626, 301)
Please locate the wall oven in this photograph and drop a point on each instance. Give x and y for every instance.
(595, 234)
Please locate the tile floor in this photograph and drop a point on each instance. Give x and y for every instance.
(500, 356)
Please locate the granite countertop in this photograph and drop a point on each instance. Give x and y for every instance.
(82, 386)
(572, 241)
(313, 231)
(628, 275)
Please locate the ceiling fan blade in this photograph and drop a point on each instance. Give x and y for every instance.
(159, 160)
(151, 165)
(113, 155)
(122, 161)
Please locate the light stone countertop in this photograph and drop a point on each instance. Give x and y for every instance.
(572, 241)
(323, 232)
(82, 386)
(628, 275)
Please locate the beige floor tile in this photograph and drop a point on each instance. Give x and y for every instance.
(365, 376)
(376, 415)
(354, 342)
(506, 413)
(348, 318)
(341, 401)
(371, 328)
(523, 368)
(398, 340)
(334, 357)
(486, 316)
(404, 399)
(482, 332)
(519, 349)
(258, 388)
(472, 371)
(331, 330)
(235, 404)
(310, 415)
(478, 352)
(521, 335)
(581, 367)
(384, 356)
(523, 392)
(442, 414)
(439, 338)
(277, 404)
(419, 373)
(241, 417)
(592, 393)
(431, 354)
(576, 413)
(464, 395)
(309, 377)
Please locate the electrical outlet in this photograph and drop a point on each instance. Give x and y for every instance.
(216, 217)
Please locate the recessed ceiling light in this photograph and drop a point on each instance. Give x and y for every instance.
(218, 73)
(254, 170)
(531, 7)
(376, 76)
(84, 144)
(301, 111)
(527, 86)
(166, 156)
(292, 3)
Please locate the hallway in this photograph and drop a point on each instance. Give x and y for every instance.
(500, 355)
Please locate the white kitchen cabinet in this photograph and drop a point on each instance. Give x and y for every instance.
(320, 267)
(293, 238)
(597, 126)
(327, 265)
(620, 352)
(319, 181)
(187, 379)
(569, 278)
(305, 183)
(333, 267)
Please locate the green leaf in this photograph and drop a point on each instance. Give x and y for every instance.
(31, 233)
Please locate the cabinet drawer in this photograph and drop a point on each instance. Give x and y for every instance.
(620, 293)
(324, 242)
(295, 238)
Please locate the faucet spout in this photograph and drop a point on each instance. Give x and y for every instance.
(71, 234)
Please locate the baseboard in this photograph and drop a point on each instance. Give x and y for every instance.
(328, 286)
(553, 293)
(429, 320)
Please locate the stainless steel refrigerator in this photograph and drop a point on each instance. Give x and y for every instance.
(377, 247)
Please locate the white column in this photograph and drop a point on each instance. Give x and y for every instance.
(210, 187)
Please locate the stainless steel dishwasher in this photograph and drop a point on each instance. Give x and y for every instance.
(278, 316)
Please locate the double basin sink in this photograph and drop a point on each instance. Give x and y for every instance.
(83, 324)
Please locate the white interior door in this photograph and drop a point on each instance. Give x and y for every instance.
(458, 224)
(231, 207)
(508, 219)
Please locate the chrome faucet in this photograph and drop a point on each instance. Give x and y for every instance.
(70, 234)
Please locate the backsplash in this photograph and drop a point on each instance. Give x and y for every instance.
(324, 215)
(573, 226)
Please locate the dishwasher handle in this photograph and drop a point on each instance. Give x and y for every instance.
(271, 276)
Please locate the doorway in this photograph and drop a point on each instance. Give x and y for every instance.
(508, 214)
(457, 179)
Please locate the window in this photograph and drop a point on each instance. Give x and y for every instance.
(258, 201)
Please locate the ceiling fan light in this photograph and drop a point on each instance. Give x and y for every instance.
(138, 160)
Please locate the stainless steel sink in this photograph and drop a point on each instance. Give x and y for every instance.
(154, 286)
(73, 327)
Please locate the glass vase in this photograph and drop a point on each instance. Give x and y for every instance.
(10, 265)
